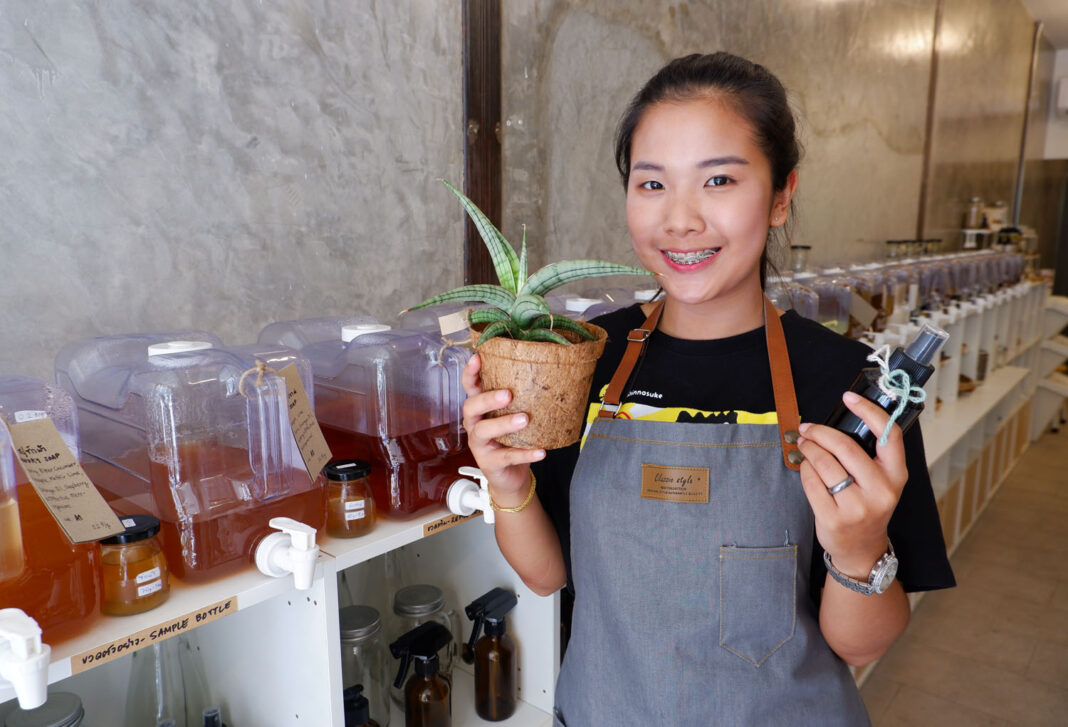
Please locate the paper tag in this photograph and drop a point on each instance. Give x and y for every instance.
(310, 440)
(149, 588)
(128, 522)
(146, 637)
(862, 311)
(356, 515)
(454, 323)
(674, 484)
(29, 415)
(355, 504)
(149, 575)
(61, 483)
(446, 522)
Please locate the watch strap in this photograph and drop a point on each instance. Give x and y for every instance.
(864, 588)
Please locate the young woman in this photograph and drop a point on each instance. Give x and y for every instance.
(694, 525)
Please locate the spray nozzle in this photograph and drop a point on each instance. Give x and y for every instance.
(357, 709)
(489, 608)
(422, 644)
(925, 345)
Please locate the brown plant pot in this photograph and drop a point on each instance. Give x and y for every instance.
(549, 382)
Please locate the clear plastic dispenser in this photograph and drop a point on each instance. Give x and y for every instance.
(52, 580)
(392, 398)
(196, 434)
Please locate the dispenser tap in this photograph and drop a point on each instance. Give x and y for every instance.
(23, 658)
(465, 497)
(291, 551)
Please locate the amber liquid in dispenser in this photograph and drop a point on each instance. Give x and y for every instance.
(220, 538)
(57, 583)
(11, 559)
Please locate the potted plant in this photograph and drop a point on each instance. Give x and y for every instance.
(546, 360)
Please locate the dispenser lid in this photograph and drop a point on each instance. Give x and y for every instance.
(359, 622)
(350, 333)
(578, 304)
(159, 349)
(418, 600)
(347, 470)
(62, 709)
(138, 527)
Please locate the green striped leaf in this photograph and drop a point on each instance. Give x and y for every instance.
(521, 275)
(505, 262)
(544, 334)
(486, 315)
(493, 295)
(556, 274)
(561, 322)
(497, 328)
(526, 308)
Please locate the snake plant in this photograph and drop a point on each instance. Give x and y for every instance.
(518, 308)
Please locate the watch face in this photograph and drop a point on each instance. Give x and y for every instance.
(886, 575)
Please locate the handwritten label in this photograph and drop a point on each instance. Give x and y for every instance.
(445, 523)
(61, 483)
(310, 440)
(674, 484)
(160, 632)
(862, 311)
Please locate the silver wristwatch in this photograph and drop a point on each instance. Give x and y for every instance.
(881, 576)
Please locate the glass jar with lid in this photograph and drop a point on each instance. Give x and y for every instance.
(363, 659)
(62, 709)
(350, 504)
(415, 605)
(135, 577)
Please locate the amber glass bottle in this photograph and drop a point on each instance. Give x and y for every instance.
(426, 695)
(135, 576)
(495, 674)
(350, 506)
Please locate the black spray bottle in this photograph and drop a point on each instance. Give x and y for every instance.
(493, 654)
(427, 694)
(915, 360)
(357, 708)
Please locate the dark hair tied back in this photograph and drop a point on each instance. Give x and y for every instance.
(751, 90)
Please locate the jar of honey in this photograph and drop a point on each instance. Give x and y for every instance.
(135, 571)
(350, 504)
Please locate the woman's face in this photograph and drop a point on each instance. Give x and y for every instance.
(699, 201)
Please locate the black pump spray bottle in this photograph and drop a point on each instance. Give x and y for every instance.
(493, 654)
(427, 694)
(915, 360)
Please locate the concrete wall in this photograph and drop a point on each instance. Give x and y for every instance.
(1057, 130)
(224, 165)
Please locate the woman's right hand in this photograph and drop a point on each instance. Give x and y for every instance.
(507, 469)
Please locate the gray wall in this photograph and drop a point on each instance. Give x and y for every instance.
(224, 165)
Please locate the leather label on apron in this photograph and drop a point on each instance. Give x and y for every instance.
(674, 484)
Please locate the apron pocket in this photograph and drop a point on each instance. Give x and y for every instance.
(757, 600)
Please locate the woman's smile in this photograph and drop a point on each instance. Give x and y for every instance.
(690, 260)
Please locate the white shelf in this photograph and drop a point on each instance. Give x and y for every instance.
(953, 420)
(463, 708)
(387, 535)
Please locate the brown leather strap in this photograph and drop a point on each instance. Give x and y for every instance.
(782, 384)
(635, 343)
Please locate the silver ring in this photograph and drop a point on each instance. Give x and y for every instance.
(835, 489)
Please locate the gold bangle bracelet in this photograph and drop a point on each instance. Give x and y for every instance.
(518, 508)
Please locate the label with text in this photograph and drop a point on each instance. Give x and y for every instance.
(445, 523)
(129, 644)
(310, 440)
(75, 503)
(674, 484)
(862, 310)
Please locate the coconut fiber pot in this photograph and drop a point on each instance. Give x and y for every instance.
(549, 382)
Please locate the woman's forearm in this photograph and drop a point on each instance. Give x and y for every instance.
(861, 628)
(531, 546)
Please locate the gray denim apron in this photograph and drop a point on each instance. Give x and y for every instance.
(691, 546)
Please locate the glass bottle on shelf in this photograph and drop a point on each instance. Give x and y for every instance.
(350, 506)
(135, 577)
(414, 606)
(363, 658)
(167, 682)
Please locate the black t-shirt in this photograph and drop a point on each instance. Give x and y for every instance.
(729, 381)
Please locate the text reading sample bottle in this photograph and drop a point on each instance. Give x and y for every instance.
(52, 580)
(350, 505)
(427, 696)
(189, 430)
(135, 576)
(915, 360)
(392, 398)
(496, 688)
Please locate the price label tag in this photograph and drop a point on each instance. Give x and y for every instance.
(75, 503)
(453, 324)
(310, 440)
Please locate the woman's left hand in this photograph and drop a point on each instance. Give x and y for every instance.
(851, 525)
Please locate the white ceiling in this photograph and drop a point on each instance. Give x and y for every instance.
(1054, 16)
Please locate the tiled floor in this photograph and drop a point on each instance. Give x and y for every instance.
(994, 650)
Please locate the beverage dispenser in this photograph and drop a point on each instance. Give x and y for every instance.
(392, 398)
(52, 580)
(198, 435)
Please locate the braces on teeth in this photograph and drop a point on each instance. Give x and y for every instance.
(690, 258)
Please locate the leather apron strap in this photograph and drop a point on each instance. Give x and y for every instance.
(782, 379)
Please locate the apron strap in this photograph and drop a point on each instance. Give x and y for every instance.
(782, 379)
(635, 343)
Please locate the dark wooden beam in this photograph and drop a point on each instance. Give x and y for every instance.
(482, 128)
